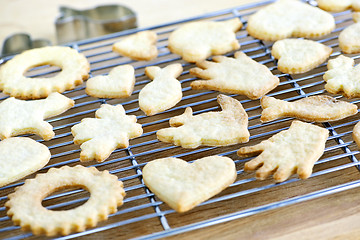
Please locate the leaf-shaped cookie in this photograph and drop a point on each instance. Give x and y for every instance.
(139, 46)
(339, 5)
(239, 75)
(118, 84)
(19, 157)
(184, 185)
(299, 55)
(319, 108)
(289, 18)
(212, 128)
(100, 136)
(163, 92)
(289, 151)
(21, 117)
(343, 77)
(196, 41)
(349, 38)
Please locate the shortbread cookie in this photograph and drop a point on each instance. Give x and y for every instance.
(356, 134)
(289, 151)
(342, 77)
(211, 129)
(25, 209)
(319, 108)
(299, 55)
(184, 185)
(289, 18)
(243, 76)
(349, 38)
(139, 46)
(74, 69)
(118, 84)
(100, 136)
(339, 5)
(196, 41)
(20, 157)
(20, 117)
(163, 92)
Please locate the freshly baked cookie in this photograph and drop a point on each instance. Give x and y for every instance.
(299, 55)
(339, 5)
(320, 108)
(118, 84)
(25, 209)
(349, 38)
(342, 77)
(289, 18)
(20, 157)
(211, 129)
(239, 75)
(163, 92)
(139, 46)
(74, 69)
(184, 185)
(196, 41)
(22, 117)
(100, 136)
(289, 151)
(356, 134)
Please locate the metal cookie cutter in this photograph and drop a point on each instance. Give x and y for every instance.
(74, 25)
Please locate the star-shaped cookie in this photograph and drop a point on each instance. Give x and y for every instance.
(211, 129)
(100, 136)
(342, 77)
(289, 18)
(22, 117)
(239, 75)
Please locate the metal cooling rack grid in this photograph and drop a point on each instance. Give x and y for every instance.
(145, 216)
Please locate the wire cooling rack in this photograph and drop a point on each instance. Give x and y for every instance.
(143, 215)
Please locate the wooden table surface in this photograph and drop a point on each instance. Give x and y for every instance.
(331, 217)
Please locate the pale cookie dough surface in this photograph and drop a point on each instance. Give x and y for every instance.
(320, 108)
(299, 55)
(289, 18)
(339, 5)
(356, 134)
(21, 117)
(139, 46)
(163, 92)
(119, 83)
(223, 128)
(349, 38)
(184, 185)
(74, 69)
(342, 77)
(20, 157)
(198, 40)
(289, 151)
(239, 75)
(26, 210)
(100, 136)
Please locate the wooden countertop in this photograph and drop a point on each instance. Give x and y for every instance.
(331, 217)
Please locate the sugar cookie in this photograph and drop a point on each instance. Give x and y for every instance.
(139, 46)
(74, 69)
(289, 151)
(339, 5)
(211, 129)
(239, 75)
(163, 92)
(25, 209)
(349, 38)
(184, 185)
(196, 41)
(356, 134)
(289, 18)
(100, 136)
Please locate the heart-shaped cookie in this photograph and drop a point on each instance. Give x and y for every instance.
(289, 18)
(184, 185)
(21, 156)
(299, 55)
